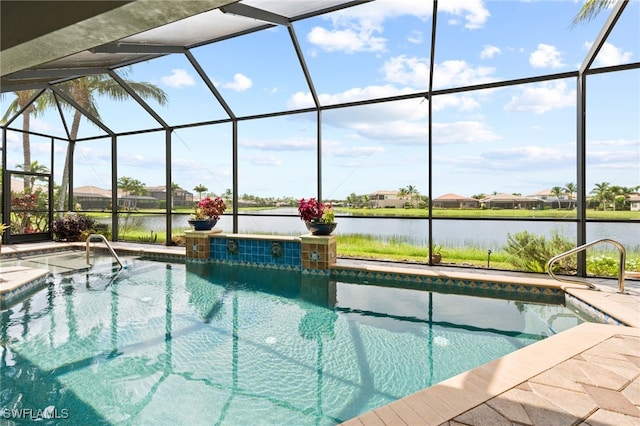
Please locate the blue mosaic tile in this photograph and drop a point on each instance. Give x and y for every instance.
(257, 253)
(591, 311)
(15, 295)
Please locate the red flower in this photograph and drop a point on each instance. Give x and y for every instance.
(210, 208)
(312, 210)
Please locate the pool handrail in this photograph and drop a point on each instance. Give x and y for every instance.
(621, 269)
(102, 237)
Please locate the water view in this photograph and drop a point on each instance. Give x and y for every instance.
(485, 234)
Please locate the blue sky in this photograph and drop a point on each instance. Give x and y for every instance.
(516, 139)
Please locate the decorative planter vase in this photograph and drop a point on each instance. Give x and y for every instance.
(203, 224)
(321, 228)
(436, 258)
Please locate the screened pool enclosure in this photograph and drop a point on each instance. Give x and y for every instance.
(471, 126)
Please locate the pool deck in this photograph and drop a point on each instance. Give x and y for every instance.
(587, 375)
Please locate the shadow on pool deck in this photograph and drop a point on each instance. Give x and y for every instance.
(589, 374)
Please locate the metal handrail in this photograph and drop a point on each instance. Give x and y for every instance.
(102, 237)
(621, 271)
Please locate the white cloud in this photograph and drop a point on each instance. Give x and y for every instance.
(460, 73)
(610, 55)
(240, 83)
(530, 153)
(178, 78)
(506, 161)
(614, 142)
(546, 56)
(396, 132)
(347, 40)
(409, 71)
(40, 125)
(542, 98)
(489, 51)
(265, 160)
(474, 12)
(280, 144)
(463, 103)
(415, 132)
(334, 148)
(91, 155)
(414, 72)
(358, 29)
(416, 37)
(331, 148)
(300, 100)
(623, 154)
(402, 122)
(304, 99)
(463, 132)
(626, 159)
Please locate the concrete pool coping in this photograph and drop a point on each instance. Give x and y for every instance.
(590, 373)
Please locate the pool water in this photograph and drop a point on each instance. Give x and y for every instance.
(167, 343)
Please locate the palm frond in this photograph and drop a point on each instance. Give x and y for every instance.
(590, 9)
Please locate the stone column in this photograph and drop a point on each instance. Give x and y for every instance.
(198, 244)
(318, 251)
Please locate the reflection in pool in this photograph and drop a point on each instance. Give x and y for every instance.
(172, 343)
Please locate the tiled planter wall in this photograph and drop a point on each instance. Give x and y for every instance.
(309, 253)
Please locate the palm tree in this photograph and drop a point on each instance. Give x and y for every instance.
(620, 194)
(557, 191)
(199, 188)
(21, 100)
(412, 191)
(570, 188)
(83, 91)
(365, 200)
(228, 194)
(35, 168)
(602, 193)
(402, 193)
(351, 199)
(590, 9)
(131, 186)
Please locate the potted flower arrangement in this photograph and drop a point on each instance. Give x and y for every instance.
(318, 217)
(206, 213)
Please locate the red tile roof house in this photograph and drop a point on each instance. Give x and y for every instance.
(455, 201)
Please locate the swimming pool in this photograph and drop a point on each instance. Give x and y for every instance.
(162, 343)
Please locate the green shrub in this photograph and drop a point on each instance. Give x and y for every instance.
(607, 266)
(529, 252)
(602, 265)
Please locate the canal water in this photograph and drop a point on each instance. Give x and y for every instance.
(484, 234)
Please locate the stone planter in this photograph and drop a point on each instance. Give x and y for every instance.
(203, 224)
(321, 228)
